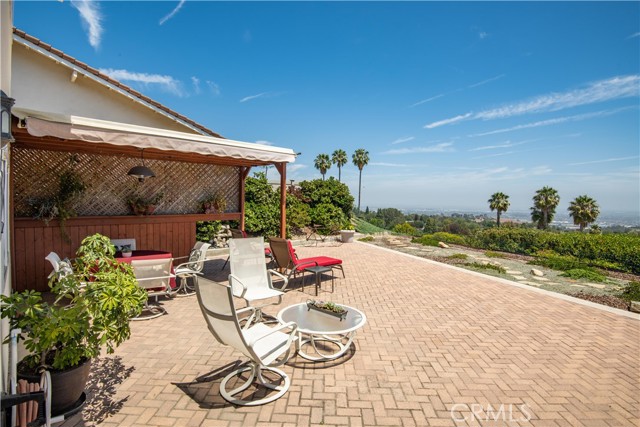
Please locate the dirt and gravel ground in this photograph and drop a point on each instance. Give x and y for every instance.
(516, 268)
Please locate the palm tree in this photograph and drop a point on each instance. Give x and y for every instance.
(360, 159)
(545, 202)
(584, 211)
(499, 202)
(339, 157)
(322, 163)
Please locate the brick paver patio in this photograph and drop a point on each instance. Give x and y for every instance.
(440, 345)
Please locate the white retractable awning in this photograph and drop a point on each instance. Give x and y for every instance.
(101, 131)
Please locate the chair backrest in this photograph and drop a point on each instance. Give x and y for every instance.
(153, 273)
(198, 255)
(283, 252)
(236, 233)
(60, 267)
(121, 243)
(216, 302)
(246, 258)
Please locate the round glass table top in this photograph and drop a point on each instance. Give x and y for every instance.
(316, 322)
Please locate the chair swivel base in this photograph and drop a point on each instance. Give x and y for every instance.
(256, 376)
(150, 312)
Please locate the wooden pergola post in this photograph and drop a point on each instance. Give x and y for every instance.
(282, 168)
(244, 172)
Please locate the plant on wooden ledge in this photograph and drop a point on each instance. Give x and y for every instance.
(60, 205)
(141, 205)
(215, 203)
(95, 298)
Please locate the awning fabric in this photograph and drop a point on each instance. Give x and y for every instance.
(101, 131)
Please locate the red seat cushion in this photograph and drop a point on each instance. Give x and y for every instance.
(323, 261)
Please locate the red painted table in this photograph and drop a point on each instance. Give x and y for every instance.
(147, 254)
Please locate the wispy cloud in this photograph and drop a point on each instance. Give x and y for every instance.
(263, 142)
(484, 82)
(633, 35)
(249, 98)
(483, 35)
(393, 165)
(166, 83)
(173, 12)
(599, 91)
(196, 84)
(91, 19)
(616, 159)
(401, 140)
(426, 100)
(438, 148)
(213, 87)
(506, 144)
(558, 120)
(295, 167)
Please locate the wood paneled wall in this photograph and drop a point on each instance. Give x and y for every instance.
(33, 240)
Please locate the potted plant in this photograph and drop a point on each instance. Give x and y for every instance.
(144, 205)
(214, 204)
(93, 306)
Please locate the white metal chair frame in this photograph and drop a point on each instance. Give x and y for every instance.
(191, 269)
(265, 347)
(249, 278)
(156, 284)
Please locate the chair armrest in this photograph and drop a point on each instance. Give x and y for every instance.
(306, 264)
(233, 279)
(292, 325)
(249, 321)
(282, 276)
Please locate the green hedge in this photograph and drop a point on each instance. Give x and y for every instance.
(433, 239)
(617, 249)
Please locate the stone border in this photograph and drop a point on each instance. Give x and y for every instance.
(557, 295)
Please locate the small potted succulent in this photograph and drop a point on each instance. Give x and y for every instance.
(327, 307)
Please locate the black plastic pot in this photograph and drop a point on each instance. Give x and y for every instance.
(66, 386)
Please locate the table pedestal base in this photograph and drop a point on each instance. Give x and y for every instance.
(343, 342)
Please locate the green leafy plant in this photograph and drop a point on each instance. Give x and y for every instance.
(366, 239)
(584, 273)
(458, 256)
(206, 231)
(493, 254)
(60, 205)
(631, 291)
(215, 203)
(92, 308)
(481, 266)
(405, 228)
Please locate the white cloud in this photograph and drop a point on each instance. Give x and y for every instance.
(484, 82)
(249, 98)
(401, 140)
(213, 87)
(506, 144)
(599, 91)
(634, 35)
(172, 13)
(295, 167)
(438, 148)
(91, 19)
(166, 83)
(426, 100)
(616, 159)
(575, 118)
(196, 84)
(483, 35)
(263, 142)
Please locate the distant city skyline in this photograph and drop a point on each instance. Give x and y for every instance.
(453, 100)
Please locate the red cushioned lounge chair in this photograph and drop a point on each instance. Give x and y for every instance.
(286, 257)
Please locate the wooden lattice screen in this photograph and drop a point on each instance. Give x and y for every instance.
(183, 185)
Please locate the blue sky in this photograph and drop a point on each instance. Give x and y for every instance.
(454, 101)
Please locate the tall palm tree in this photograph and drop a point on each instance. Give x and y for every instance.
(545, 202)
(360, 159)
(584, 211)
(322, 163)
(499, 202)
(339, 157)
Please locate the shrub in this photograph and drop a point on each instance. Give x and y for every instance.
(328, 192)
(584, 273)
(631, 291)
(366, 239)
(492, 254)
(329, 216)
(458, 256)
(557, 262)
(207, 230)
(405, 228)
(297, 214)
(449, 238)
(480, 266)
